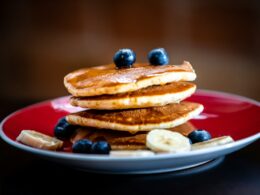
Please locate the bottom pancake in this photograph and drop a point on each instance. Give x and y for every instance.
(123, 140)
(142, 119)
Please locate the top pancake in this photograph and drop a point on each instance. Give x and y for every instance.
(107, 79)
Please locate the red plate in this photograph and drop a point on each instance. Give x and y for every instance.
(224, 114)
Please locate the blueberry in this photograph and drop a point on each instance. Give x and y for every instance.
(199, 135)
(158, 56)
(100, 147)
(82, 146)
(63, 129)
(124, 58)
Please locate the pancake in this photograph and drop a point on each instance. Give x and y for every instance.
(123, 140)
(142, 119)
(148, 97)
(107, 79)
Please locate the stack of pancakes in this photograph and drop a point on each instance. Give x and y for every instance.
(122, 105)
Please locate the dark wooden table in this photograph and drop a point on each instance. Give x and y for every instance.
(21, 173)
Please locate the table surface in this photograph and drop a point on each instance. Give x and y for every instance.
(23, 173)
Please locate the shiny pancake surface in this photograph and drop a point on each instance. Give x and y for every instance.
(148, 97)
(123, 140)
(107, 79)
(142, 119)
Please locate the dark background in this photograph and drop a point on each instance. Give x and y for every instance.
(42, 41)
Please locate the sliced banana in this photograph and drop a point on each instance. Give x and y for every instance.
(212, 142)
(160, 140)
(39, 140)
(131, 153)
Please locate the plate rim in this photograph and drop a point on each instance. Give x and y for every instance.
(93, 157)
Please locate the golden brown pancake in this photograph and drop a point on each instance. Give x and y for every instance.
(157, 95)
(142, 119)
(123, 140)
(107, 79)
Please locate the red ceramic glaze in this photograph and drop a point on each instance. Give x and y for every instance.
(224, 114)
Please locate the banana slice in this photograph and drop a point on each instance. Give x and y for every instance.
(39, 140)
(160, 140)
(131, 153)
(212, 142)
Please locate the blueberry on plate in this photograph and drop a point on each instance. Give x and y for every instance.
(124, 58)
(82, 146)
(63, 129)
(158, 56)
(100, 147)
(199, 135)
